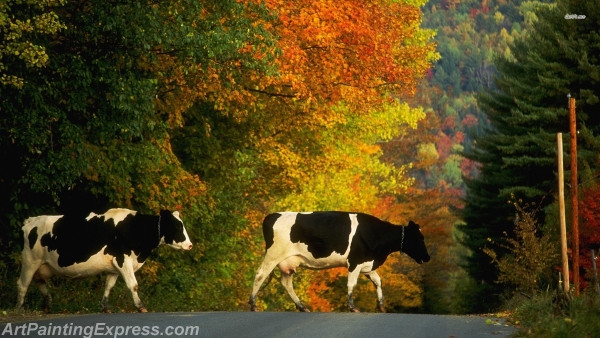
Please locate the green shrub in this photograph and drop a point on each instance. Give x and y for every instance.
(554, 314)
(527, 267)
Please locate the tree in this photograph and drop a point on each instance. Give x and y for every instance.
(91, 128)
(516, 154)
(20, 46)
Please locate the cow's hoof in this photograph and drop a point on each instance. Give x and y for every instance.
(302, 308)
(143, 310)
(106, 310)
(354, 309)
(381, 308)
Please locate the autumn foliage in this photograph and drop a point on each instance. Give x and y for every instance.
(225, 110)
(355, 51)
(589, 230)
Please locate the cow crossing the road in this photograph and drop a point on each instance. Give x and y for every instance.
(329, 239)
(116, 242)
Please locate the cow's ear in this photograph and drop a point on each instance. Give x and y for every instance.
(413, 224)
(176, 213)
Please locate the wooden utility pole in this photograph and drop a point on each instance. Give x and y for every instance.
(574, 199)
(561, 210)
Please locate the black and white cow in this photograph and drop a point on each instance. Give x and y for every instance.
(116, 242)
(328, 239)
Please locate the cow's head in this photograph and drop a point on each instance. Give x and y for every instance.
(414, 243)
(172, 230)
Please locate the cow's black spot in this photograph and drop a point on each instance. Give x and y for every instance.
(32, 237)
(267, 227)
(75, 239)
(323, 232)
(140, 234)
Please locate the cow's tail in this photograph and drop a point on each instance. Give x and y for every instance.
(268, 235)
(268, 281)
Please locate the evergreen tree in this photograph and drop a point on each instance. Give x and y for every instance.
(517, 152)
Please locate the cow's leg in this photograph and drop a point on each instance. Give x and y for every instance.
(111, 279)
(374, 277)
(41, 283)
(41, 277)
(286, 281)
(352, 280)
(262, 273)
(128, 274)
(22, 286)
(27, 272)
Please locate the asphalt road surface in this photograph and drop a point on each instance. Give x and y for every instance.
(260, 324)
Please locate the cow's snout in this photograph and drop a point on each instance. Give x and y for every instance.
(187, 245)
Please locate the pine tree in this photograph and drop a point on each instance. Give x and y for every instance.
(517, 153)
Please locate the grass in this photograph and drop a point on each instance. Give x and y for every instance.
(554, 314)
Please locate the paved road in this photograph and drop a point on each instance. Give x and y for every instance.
(261, 324)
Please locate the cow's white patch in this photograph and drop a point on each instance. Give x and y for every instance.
(176, 215)
(353, 225)
(117, 214)
(91, 215)
(96, 264)
(366, 266)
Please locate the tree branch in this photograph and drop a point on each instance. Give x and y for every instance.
(270, 93)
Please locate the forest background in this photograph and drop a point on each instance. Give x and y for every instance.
(229, 111)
